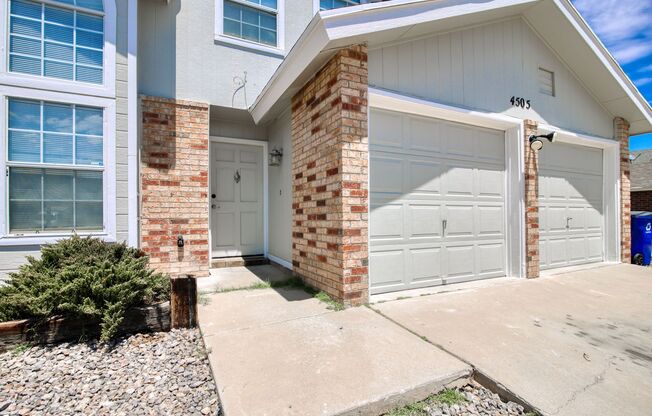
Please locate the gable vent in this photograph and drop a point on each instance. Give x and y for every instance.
(546, 82)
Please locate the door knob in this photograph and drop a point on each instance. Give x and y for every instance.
(213, 196)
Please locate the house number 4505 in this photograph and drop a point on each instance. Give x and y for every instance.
(521, 102)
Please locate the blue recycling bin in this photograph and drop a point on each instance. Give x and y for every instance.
(641, 238)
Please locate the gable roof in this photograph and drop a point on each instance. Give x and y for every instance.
(557, 21)
(641, 171)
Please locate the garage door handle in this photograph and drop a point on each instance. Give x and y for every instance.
(444, 223)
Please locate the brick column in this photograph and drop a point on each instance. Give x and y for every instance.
(174, 185)
(531, 202)
(330, 174)
(621, 133)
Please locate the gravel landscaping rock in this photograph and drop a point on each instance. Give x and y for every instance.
(475, 400)
(145, 374)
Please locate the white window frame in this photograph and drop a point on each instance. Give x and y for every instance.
(108, 177)
(316, 5)
(220, 37)
(553, 80)
(106, 89)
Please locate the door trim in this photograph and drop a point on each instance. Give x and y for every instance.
(247, 142)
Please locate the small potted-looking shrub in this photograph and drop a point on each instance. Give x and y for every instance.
(83, 278)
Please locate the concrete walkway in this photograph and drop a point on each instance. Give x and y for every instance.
(231, 278)
(572, 344)
(282, 352)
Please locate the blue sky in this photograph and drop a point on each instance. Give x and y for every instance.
(625, 27)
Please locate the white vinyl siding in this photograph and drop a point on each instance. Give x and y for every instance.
(56, 42)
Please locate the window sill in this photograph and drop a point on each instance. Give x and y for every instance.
(41, 239)
(252, 46)
(57, 85)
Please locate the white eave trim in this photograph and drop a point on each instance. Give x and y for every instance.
(335, 26)
(329, 30)
(390, 101)
(307, 48)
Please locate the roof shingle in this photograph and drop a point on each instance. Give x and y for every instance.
(641, 171)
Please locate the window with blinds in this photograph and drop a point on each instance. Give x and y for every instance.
(55, 157)
(252, 20)
(336, 4)
(59, 39)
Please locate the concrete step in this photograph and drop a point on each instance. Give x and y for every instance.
(238, 261)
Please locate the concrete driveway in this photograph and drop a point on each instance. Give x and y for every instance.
(571, 344)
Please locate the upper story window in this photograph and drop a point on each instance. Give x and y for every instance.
(252, 20)
(336, 4)
(64, 41)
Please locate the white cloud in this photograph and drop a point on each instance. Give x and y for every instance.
(642, 81)
(632, 51)
(623, 25)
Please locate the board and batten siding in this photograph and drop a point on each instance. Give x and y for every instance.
(11, 258)
(482, 68)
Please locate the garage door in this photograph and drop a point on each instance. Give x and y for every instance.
(437, 202)
(571, 207)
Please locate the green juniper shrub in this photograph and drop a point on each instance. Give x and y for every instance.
(85, 278)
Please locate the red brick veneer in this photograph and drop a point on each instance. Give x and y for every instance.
(532, 255)
(330, 178)
(642, 201)
(174, 185)
(621, 133)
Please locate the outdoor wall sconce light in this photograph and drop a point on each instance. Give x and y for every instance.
(275, 157)
(536, 143)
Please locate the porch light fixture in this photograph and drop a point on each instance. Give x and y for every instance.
(275, 157)
(536, 143)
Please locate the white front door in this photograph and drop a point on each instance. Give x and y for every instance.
(437, 202)
(236, 200)
(571, 205)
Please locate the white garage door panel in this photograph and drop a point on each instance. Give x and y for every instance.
(434, 171)
(391, 267)
(571, 206)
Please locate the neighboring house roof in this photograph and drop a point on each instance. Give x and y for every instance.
(556, 21)
(641, 171)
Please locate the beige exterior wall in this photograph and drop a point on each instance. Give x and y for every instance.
(180, 58)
